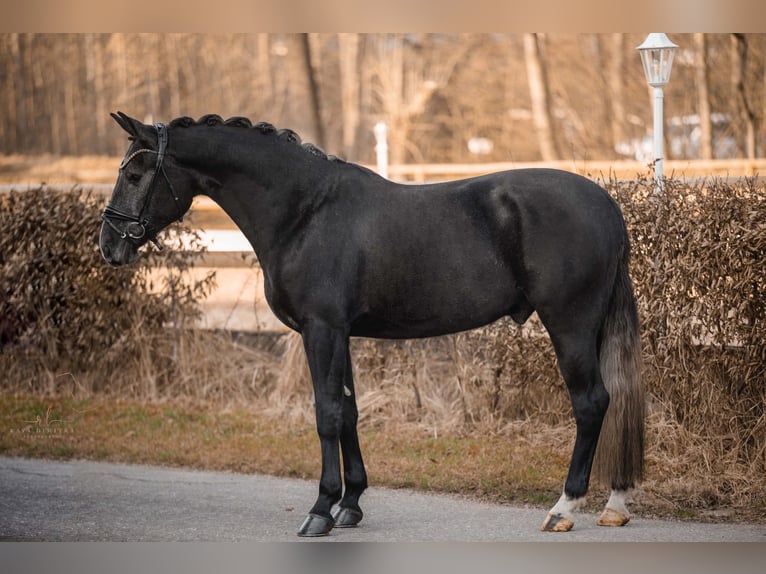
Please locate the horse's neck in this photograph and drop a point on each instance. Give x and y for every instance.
(267, 197)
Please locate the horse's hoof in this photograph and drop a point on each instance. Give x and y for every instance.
(557, 523)
(346, 517)
(316, 525)
(612, 517)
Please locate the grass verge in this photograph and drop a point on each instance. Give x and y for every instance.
(522, 466)
(239, 440)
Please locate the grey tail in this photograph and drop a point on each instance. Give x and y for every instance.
(619, 459)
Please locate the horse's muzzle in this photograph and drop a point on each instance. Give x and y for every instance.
(115, 251)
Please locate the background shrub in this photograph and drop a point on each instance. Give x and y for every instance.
(699, 252)
(63, 309)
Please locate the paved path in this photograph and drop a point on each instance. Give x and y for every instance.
(88, 501)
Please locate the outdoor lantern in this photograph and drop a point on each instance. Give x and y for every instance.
(657, 57)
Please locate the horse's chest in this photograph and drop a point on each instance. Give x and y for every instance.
(280, 302)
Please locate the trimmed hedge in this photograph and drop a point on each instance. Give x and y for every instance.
(62, 308)
(699, 257)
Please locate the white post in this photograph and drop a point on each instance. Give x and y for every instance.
(658, 139)
(381, 148)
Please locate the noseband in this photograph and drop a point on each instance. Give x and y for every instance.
(135, 230)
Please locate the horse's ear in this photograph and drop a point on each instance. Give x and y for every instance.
(130, 125)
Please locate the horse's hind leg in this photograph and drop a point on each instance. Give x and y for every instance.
(578, 361)
(616, 511)
(348, 513)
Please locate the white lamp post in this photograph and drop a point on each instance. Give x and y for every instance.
(381, 147)
(657, 57)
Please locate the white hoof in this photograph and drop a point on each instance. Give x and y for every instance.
(557, 523)
(616, 511)
(561, 516)
(611, 517)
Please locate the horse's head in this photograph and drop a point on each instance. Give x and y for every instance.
(152, 191)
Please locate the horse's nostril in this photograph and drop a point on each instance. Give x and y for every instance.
(106, 251)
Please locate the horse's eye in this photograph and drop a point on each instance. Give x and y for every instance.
(133, 178)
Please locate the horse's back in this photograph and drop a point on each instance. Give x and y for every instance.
(457, 255)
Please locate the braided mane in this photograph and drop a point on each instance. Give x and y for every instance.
(265, 128)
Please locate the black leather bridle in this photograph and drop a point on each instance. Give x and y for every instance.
(135, 230)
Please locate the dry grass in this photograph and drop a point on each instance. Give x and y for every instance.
(246, 440)
(525, 463)
(248, 409)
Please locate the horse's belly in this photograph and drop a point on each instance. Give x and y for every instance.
(437, 308)
(382, 328)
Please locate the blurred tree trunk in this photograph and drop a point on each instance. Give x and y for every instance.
(739, 69)
(703, 96)
(614, 78)
(302, 108)
(151, 69)
(539, 91)
(10, 124)
(173, 74)
(94, 72)
(349, 86)
(264, 77)
(609, 61)
(72, 63)
(192, 81)
(51, 96)
(118, 73)
(20, 95)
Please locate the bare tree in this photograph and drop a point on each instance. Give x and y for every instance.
(8, 95)
(539, 91)
(18, 52)
(173, 73)
(404, 87)
(151, 75)
(94, 66)
(609, 59)
(264, 80)
(71, 97)
(614, 78)
(302, 108)
(436, 91)
(348, 47)
(739, 67)
(117, 58)
(703, 96)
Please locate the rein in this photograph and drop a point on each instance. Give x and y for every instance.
(135, 230)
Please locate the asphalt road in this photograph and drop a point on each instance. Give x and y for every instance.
(88, 501)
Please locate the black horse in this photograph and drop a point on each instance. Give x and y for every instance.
(347, 253)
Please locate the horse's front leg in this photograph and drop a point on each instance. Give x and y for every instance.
(327, 353)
